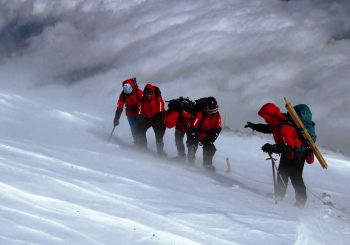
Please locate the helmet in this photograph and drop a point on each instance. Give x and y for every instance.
(212, 105)
(127, 88)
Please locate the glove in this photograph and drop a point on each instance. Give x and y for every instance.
(118, 112)
(212, 136)
(267, 148)
(277, 148)
(193, 136)
(250, 125)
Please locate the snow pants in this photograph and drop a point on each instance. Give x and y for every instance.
(179, 141)
(159, 131)
(209, 150)
(293, 170)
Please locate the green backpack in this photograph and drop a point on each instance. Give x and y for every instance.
(305, 115)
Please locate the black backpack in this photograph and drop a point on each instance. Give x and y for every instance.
(182, 103)
(202, 103)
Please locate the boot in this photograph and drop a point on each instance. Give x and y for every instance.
(191, 156)
(160, 149)
(208, 162)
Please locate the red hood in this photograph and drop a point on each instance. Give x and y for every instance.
(272, 114)
(149, 86)
(131, 82)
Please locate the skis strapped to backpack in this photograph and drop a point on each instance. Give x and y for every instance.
(309, 137)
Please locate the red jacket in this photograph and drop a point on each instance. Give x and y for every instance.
(131, 101)
(282, 133)
(182, 120)
(149, 108)
(206, 122)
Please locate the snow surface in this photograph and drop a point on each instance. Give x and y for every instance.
(62, 182)
(61, 63)
(244, 52)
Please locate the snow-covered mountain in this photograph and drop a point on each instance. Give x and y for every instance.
(243, 52)
(62, 182)
(61, 64)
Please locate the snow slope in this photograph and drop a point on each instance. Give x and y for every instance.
(62, 182)
(243, 52)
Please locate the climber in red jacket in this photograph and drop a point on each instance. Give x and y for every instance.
(151, 114)
(205, 128)
(288, 143)
(180, 115)
(131, 97)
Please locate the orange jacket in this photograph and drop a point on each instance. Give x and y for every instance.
(149, 108)
(205, 123)
(131, 101)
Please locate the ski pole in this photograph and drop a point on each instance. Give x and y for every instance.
(278, 174)
(273, 176)
(110, 137)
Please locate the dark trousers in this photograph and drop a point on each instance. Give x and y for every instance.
(159, 131)
(179, 141)
(293, 170)
(209, 150)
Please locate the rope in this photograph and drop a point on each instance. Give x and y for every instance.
(326, 203)
(313, 194)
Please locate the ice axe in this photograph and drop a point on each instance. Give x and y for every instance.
(111, 135)
(273, 175)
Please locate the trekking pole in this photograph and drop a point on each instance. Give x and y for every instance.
(273, 176)
(110, 137)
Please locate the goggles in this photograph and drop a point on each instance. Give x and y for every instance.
(127, 88)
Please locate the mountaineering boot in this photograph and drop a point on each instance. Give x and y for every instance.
(208, 162)
(191, 156)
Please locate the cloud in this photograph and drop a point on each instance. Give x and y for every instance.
(244, 52)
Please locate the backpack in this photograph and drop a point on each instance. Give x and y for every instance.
(201, 104)
(305, 116)
(182, 103)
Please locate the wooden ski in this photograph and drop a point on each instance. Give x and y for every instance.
(305, 133)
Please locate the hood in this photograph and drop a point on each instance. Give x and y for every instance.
(149, 86)
(272, 114)
(131, 82)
